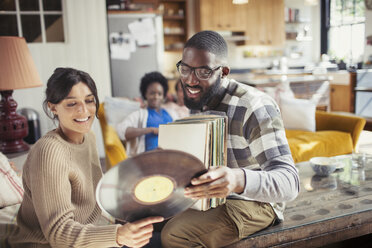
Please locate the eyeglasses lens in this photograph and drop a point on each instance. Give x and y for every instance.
(201, 73)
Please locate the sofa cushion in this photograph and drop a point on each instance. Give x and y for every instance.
(298, 114)
(116, 109)
(305, 145)
(10, 184)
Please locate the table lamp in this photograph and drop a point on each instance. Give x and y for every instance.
(17, 71)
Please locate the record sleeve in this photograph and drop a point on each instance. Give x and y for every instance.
(203, 136)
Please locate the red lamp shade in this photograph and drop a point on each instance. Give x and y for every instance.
(17, 71)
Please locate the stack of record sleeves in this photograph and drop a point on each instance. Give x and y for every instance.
(202, 135)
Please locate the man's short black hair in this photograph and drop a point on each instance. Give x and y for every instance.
(150, 78)
(210, 41)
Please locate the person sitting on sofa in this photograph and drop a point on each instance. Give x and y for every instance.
(255, 196)
(140, 128)
(61, 173)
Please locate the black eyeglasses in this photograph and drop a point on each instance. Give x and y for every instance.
(202, 72)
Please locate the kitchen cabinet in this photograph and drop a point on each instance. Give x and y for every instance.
(174, 24)
(262, 21)
(266, 23)
(341, 94)
(220, 15)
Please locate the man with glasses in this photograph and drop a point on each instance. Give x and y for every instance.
(260, 174)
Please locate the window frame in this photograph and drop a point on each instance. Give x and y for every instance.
(325, 25)
(41, 13)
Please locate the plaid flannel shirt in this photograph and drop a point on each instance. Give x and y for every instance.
(257, 144)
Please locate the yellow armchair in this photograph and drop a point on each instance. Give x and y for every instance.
(114, 149)
(335, 134)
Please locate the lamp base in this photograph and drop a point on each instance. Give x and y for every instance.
(13, 147)
(13, 127)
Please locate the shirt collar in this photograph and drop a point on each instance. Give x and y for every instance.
(216, 100)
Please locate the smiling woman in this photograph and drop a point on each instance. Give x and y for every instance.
(61, 173)
(76, 113)
(71, 98)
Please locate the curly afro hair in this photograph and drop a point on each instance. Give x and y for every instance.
(150, 78)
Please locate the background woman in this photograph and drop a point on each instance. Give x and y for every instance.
(140, 128)
(61, 173)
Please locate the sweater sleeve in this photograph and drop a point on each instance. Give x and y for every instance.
(278, 182)
(278, 179)
(51, 196)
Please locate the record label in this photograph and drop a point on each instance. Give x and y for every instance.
(153, 189)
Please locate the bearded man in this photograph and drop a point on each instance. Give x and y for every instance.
(255, 194)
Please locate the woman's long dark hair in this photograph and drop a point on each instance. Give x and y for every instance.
(60, 84)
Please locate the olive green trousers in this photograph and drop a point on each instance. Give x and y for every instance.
(217, 227)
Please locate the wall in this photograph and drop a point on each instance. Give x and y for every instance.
(368, 31)
(86, 48)
(315, 22)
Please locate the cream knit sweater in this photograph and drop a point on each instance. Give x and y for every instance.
(59, 208)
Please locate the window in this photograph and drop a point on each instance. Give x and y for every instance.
(346, 30)
(35, 20)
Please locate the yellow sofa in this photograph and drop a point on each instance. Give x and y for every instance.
(335, 134)
(114, 149)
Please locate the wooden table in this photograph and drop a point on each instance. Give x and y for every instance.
(327, 210)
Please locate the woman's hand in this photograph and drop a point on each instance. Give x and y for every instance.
(217, 182)
(138, 233)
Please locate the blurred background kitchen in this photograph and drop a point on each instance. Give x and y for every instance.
(304, 42)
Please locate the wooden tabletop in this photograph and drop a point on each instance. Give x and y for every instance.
(327, 210)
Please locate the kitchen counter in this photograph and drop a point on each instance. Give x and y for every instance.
(304, 86)
(267, 80)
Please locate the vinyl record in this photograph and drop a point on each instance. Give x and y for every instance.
(149, 184)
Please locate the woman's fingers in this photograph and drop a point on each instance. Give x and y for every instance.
(138, 233)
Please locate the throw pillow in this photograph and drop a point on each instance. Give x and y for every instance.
(298, 114)
(10, 184)
(116, 109)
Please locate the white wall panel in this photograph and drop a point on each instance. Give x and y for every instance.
(368, 32)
